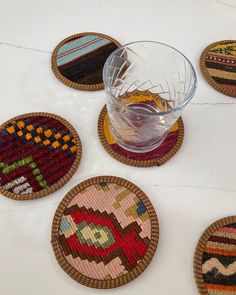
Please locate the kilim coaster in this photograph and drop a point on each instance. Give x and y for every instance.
(105, 232)
(215, 259)
(78, 60)
(218, 66)
(39, 153)
(156, 157)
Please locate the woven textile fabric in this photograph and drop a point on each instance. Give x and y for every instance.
(105, 231)
(159, 152)
(81, 59)
(35, 153)
(163, 149)
(220, 62)
(219, 261)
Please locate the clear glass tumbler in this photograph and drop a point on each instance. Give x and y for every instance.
(148, 84)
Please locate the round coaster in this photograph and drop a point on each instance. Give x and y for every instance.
(218, 66)
(39, 153)
(156, 157)
(215, 258)
(105, 232)
(78, 60)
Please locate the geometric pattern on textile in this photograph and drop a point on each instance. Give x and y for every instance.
(36, 151)
(218, 64)
(105, 231)
(218, 260)
(78, 60)
(99, 237)
(157, 156)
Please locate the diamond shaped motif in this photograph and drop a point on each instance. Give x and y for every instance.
(94, 235)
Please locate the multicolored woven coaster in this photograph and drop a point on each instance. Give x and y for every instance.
(39, 153)
(105, 232)
(215, 259)
(218, 66)
(156, 157)
(78, 60)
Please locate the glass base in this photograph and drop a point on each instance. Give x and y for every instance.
(141, 148)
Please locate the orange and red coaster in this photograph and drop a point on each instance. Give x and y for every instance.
(218, 66)
(39, 153)
(156, 157)
(105, 232)
(215, 258)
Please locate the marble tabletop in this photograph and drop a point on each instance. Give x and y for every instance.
(192, 190)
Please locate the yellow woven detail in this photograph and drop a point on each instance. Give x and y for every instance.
(37, 139)
(58, 135)
(66, 137)
(55, 144)
(11, 129)
(20, 133)
(46, 142)
(28, 136)
(230, 48)
(30, 127)
(48, 133)
(136, 98)
(64, 147)
(21, 124)
(73, 149)
(65, 140)
(175, 127)
(39, 130)
(107, 131)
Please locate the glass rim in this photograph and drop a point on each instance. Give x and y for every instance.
(185, 102)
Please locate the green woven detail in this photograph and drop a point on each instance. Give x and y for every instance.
(94, 235)
(6, 169)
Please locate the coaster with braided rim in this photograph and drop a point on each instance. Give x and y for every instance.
(78, 60)
(215, 258)
(39, 153)
(218, 66)
(156, 157)
(105, 232)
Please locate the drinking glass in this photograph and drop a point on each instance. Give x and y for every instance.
(147, 84)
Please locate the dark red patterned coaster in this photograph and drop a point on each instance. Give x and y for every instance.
(105, 232)
(218, 66)
(78, 60)
(156, 157)
(215, 259)
(39, 153)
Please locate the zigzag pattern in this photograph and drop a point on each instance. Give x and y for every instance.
(213, 263)
(219, 261)
(125, 243)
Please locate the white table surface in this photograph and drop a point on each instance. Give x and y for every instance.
(189, 192)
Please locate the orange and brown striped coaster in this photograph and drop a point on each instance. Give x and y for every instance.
(78, 60)
(157, 157)
(105, 232)
(215, 259)
(39, 153)
(218, 66)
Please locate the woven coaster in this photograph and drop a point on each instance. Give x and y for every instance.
(105, 232)
(215, 258)
(39, 153)
(156, 157)
(218, 66)
(78, 60)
